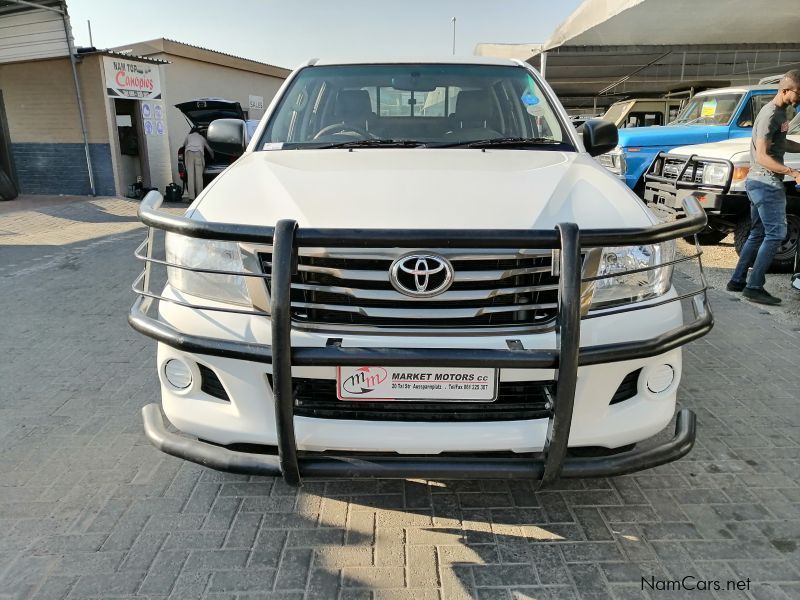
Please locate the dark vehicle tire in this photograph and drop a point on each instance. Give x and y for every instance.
(8, 190)
(784, 258)
(708, 237)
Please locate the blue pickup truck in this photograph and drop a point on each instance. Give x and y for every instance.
(709, 116)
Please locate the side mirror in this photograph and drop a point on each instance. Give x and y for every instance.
(599, 136)
(228, 136)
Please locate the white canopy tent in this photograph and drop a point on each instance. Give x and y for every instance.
(609, 49)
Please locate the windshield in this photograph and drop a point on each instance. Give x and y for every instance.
(709, 109)
(413, 105)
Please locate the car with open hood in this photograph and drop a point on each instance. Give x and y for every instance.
(418, 269)
(200, 113)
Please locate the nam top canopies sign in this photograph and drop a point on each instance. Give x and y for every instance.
(131, 79)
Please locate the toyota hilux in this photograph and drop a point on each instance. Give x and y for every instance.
(417, 269)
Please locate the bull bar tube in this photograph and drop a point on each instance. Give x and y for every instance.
(285, 239)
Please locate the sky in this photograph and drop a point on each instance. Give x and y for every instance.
(289, 32)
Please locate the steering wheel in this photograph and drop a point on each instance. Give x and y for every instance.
(338, 128)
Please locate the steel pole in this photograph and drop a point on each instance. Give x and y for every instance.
(72, 61)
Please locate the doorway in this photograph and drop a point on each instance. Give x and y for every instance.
(132, 160)
(6, 159)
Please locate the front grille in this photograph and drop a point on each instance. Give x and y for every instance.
(516, 400)
(673, 166)
(490, 289)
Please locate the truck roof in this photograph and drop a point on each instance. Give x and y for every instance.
(739, 89)
(460, 60)
(651, 99)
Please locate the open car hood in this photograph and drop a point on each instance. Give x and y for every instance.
(201, 111)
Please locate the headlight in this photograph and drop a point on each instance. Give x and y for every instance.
(614, 161)
(633, 287)
(715, 174)
(206, 254)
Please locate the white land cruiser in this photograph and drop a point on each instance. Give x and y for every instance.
(715, 175)
(417, 270)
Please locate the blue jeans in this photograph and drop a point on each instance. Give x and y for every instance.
(767, 230)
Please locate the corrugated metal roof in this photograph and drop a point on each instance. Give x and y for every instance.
(9, 7)
(678, 22)
(609, 49)
(118, 54)
(224, 54)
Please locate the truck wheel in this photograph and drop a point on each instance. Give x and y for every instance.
(784, 258)
(7, 189)
(708, 237)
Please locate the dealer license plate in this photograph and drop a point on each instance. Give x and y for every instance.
(438, 384)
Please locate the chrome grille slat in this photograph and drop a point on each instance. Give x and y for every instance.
(391, 254)
(490, 288)
(367, 275)
(423, 313)
(449, 296)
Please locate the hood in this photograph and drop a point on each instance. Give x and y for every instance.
(670, 135)
(420, 189)
(201, 111)
(735, 150)
(727, 149)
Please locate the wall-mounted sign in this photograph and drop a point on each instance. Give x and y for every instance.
(131, 79)
(256, 102)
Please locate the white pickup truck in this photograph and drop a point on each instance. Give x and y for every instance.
(715, 174)
(416, 269)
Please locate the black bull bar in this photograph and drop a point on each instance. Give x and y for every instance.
(285, 239)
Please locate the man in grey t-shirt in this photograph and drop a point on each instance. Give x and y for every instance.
(766, 192)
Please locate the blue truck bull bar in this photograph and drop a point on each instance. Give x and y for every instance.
(286, 238)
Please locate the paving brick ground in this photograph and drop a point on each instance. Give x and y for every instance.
(88, 509)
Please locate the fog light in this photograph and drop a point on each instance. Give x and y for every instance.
(178, 374)
(660, 378)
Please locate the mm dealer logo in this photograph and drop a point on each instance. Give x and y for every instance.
(364, 380)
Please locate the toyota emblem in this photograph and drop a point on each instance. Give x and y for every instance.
(421, 275)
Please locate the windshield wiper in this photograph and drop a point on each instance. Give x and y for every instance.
(504, 142)
(690, 121)
(370, 143)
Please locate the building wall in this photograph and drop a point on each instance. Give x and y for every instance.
(45, 129)
(32, 34)
(186, 79)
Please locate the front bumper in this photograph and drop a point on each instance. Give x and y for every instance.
(430, 467)
(566, 357)
(666, 195)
